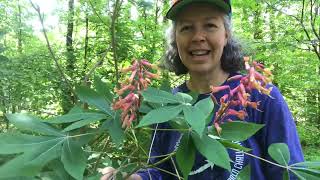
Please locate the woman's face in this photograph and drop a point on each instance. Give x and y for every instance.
(200, 37)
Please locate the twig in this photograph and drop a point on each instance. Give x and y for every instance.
(37, 8)
(98, 64)
(100, 156)
(94, 10)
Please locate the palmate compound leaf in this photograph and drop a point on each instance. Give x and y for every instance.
(93, 98)
(33, 124)
(82, 123)
(72, 117)
(162, 97)
(213, 150)
(160, 115)
(186, 155)
(280, 153)
(237, 130)
(197, 115)
(12, 143)
(74, 159)
(306, 170)
(32, 161)
(306, 174)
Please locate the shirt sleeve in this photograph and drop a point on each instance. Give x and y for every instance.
(279, 128)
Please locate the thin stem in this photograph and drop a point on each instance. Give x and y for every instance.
(100, 156)
(285, 167)
(151, 129)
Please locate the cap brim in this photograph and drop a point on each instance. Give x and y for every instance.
(175, 9)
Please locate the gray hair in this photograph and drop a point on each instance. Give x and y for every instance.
(231, 59)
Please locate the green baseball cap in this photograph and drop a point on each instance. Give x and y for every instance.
(178, 5)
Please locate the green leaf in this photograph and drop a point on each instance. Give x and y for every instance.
(195, 117)
(145, 107)
(205, 105)
(73, 159)
(179, 123)
(213, 150)
(306, 174)
(229, 144)
(194, 96)
(184, 98)
(280, 153)
(185, 155)
(12, 143)
(311, 164)
(114, 128)
(93, 98)
(103, 89)
(33, 124)
(238, 130)
(162, 97)
(160, 115)
(245, 173)
(76, 117)
(286, 175)
(57, 167)
(79, 124)
(30, 163)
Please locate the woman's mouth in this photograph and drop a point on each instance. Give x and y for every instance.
(199, 52)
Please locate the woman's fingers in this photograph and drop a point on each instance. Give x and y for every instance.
(107, 172)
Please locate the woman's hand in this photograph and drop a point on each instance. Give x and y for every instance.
(109, 172)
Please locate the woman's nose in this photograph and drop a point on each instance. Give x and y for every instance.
(199, 35)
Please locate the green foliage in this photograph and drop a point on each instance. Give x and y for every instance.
(237, 130)
(213, 150)
(280, 153)
(186, 155)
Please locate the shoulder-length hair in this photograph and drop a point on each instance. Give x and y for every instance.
(231, 59)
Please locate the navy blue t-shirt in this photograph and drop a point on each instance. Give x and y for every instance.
(279, 128)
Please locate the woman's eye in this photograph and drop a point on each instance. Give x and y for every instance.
(211, 25)
(185, 28)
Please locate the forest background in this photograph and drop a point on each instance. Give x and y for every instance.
(96, 38)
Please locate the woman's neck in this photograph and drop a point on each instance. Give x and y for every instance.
(201, 83)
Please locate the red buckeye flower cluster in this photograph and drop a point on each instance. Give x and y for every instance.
(257, 78)
(129, 93)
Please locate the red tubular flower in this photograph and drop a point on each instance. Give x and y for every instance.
(215, 89)
(240, 95)
(139, 80)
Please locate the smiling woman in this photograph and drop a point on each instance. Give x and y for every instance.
(201, 45)
(201, 38)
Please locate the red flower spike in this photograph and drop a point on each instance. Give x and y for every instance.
(240, 95)
(151, 75)
(149, 65)
(139, 80)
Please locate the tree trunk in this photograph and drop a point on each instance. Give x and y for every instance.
(115, 14)
(67, 96)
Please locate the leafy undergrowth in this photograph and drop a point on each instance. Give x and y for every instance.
(311, 153)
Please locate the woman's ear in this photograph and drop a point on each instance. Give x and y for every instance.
(227, 36)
